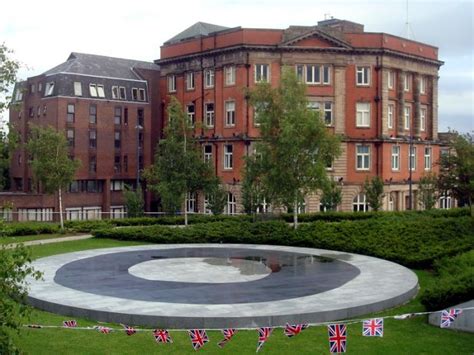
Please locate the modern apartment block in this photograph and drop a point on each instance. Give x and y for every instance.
(378, 91)
(104, 107)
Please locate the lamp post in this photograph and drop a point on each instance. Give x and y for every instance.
(410, 167)
(138, 129)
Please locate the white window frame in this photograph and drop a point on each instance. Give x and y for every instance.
(445, 201)
(229, 73)
(423, 112)
(115, 92)
(141, 95)
(407, 117)
(359, 203)
(365, 75)
(423, 83)
(406, 82)
(209, 78)
(77, 88)
(230, 113)
(93, 90)
(390, 114)
(207, 156)
(325, 68)
(365, 158)
(391, 79)
(228, 157)
(191, 199)
(231, 206)
(210, 114)
(262, 72)
(363, 114)
(171, 79)
(100, 91)
(327, 109)
(49, 90)
(190, 84)
(412, 158)
(314, 70)
(428, 158)
(395, 160)
(122, 93)
(191, 115)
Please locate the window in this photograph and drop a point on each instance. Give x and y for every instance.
(445, 201)
(395, 157)
(141, 95)
(363, 114)
(256, 120)
(407, 115)
(100, 91)
(191, 206)
(314, 106)
(313, 74)
(329, 164)
(190, 81)
(209, 78)
(328, 113)
(70, 113)
(77, 88)
(208, 153)
(117, 142)
(19, 94)
(92, 164)
(93, 90)
(190, 111)
(134, 94)
(406, 82)
(92, 138)
(391, 109)
(123, 93)
(140, 117)
(262, 73)
(40, 87)
(172, 83)
(117, 164)
(359, 204)
(423, 82)
(363, 76)
(228, 159)
(428, 158)
(140, 162)
(229, 73)
(326, 74)
(209, 112)
(362, 157)
(117, 185)
(118, 116)
(423, 119)
(93, 114)
(125, 116)
(300, 73)
(231, 207)
(115, 92)
(230, 113)
(207, 210)
(412, 158)
(391, 203)
(70, 137)
(391, 80)
(32, 88)
(49, 89)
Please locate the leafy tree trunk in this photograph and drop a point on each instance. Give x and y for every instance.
(60, 197)
(295, 214)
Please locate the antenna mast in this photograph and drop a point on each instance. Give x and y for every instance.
(408, 30)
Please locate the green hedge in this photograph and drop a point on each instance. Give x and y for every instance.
(414, 242)
(27, 228)
(454, 285)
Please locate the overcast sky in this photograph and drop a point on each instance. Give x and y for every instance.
(43, 33)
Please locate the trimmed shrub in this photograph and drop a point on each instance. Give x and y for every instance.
(27, 228)
(454, 285)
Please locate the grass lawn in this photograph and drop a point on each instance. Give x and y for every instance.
(27, 238)
(411, 336)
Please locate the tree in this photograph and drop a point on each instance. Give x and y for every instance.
(134, 201)
(8, 71)
(456, 174)
(427, 191)
(14, 268)
(179, 168)
(8, 144)
(295, 143)
(216, 197)
(331, 196)
(50, 163)
(373, 190)
(253, 192)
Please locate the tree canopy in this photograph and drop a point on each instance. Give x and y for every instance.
(295, 143)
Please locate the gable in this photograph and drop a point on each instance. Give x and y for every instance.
(313, 42)
(316, 39)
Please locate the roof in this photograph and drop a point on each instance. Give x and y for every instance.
(197, 30)
(103, 66)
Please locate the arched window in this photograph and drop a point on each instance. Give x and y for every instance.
(445, 201)
(231, 207)
(359, 204)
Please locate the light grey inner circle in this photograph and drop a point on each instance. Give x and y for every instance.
(200, 270)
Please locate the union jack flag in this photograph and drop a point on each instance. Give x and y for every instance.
(337, 338)
(128, 329)
(294, 329)
(373, 327)
(70, 323)
(162, 336)
(263, 335)
(228, 334)
(198, 338)
(447, 317)
(103, 330)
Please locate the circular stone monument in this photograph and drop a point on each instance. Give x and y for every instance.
(218, 285)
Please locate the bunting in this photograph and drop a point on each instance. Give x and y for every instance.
(103, 330)
(292, 330)
(129, 330)
(70, 323)
(263, 335)
(337, 338)
(372, 328)
(449, 316)
(162, 336)
(228, 334)
(198, 338)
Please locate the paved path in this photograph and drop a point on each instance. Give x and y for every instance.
(52, 240)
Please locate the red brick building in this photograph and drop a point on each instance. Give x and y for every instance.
(103, 106)
(374, 89)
